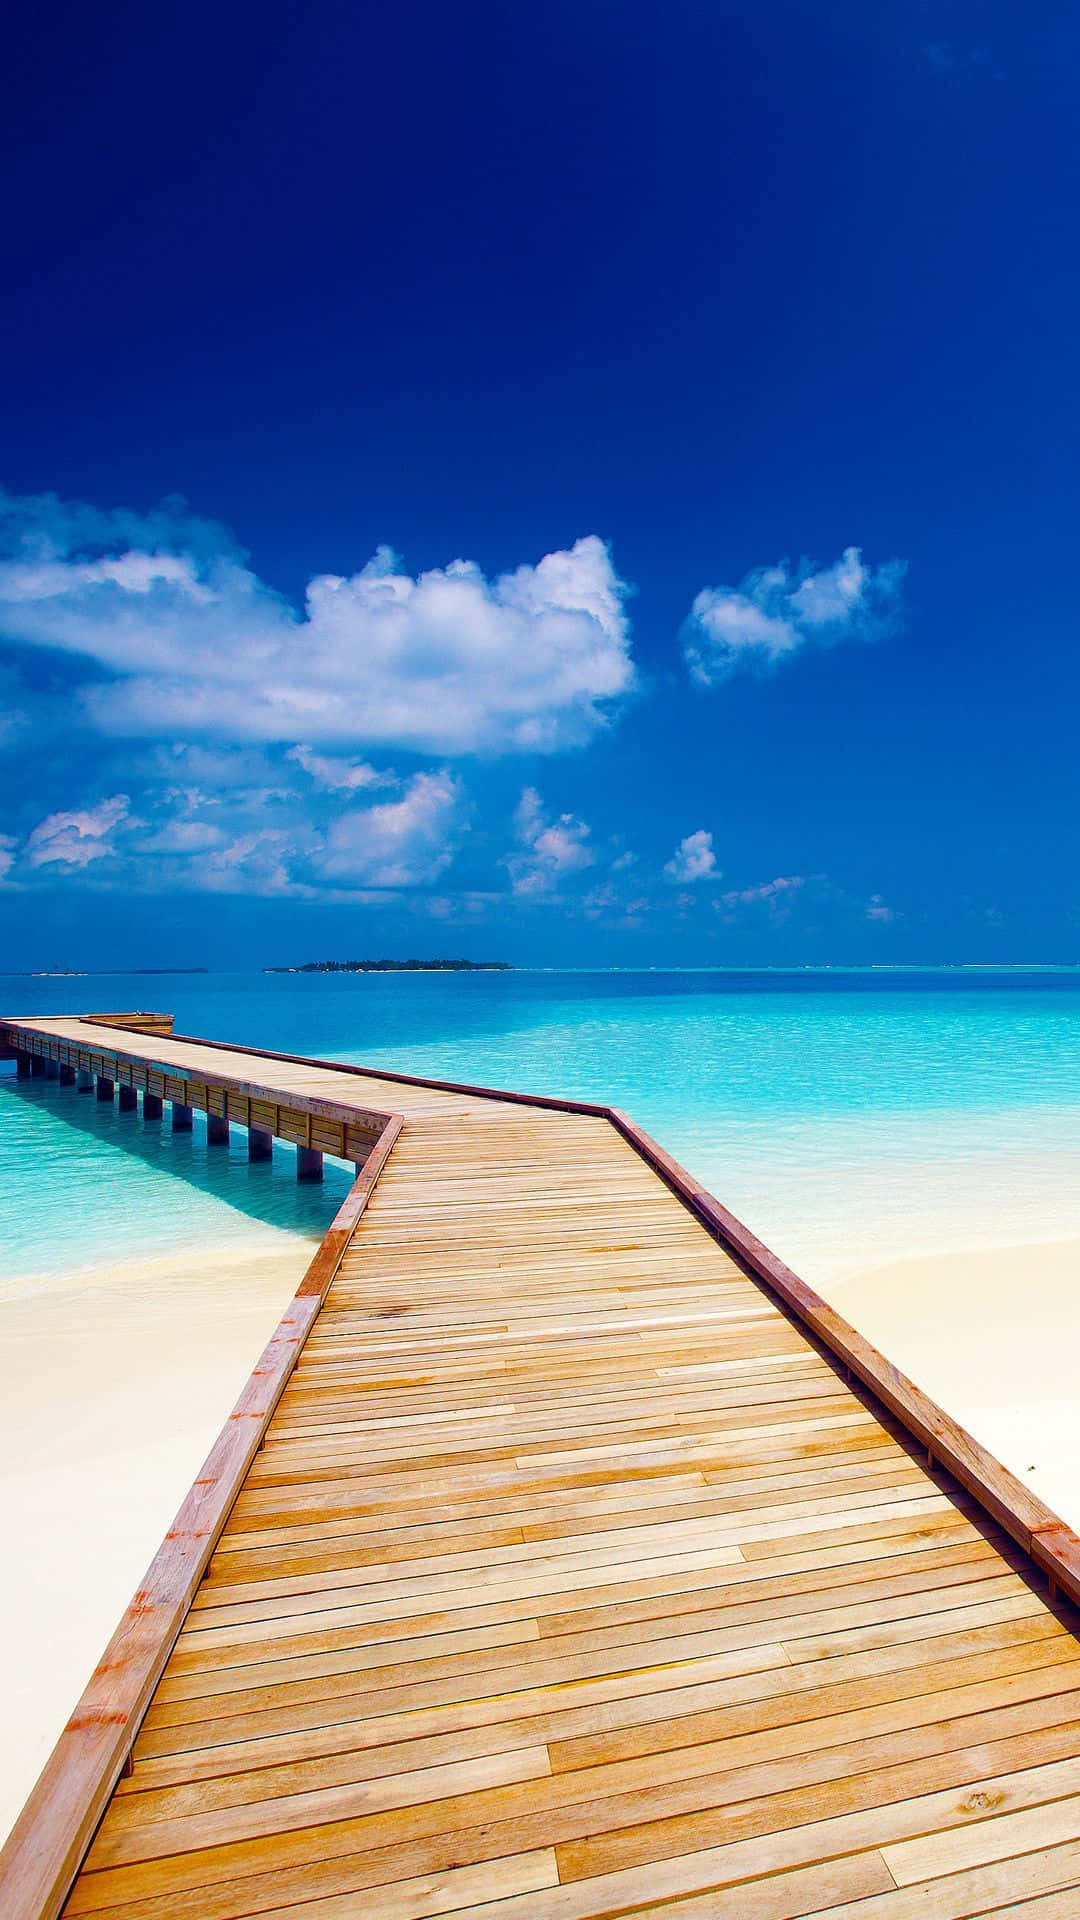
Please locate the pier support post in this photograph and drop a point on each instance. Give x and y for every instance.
(309, 1163)
(85, 1080)
(24, 1066)
(260, 1144)
(37, 1066)
(153, 1106)
(217, 1130)
(181, 1118)
(67, 1074)
(105, 1088)
(52, 1069)
(128, 1099)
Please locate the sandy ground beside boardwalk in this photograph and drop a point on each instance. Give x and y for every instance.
(994, 1337)
(116, 1382)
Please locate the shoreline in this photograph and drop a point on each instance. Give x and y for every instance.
(243, 1249)
(116, 1390)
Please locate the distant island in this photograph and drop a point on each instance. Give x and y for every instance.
(396, 966)
(99, 973)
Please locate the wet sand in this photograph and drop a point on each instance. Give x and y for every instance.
(116, 1383)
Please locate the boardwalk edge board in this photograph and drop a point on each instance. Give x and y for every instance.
(54, 1831)
(1052, 1545)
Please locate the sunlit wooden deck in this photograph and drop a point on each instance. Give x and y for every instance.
(570, 1559)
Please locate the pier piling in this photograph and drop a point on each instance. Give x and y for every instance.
(105, 1088)
(309, 1163)
(85, 1080)
(182, 1121)
(217, 1130)
(67, 1074)
(128, 1099)
(153, 1106)
(260, 1144)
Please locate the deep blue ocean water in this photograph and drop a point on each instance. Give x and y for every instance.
(848, 1117)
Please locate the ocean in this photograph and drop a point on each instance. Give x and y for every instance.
(849, 1118)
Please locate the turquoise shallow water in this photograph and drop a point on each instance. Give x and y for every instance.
(848, 1118)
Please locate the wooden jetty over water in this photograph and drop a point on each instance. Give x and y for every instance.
(565, 1556)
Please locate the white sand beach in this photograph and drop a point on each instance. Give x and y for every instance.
(117, 1381)
(991, 1335)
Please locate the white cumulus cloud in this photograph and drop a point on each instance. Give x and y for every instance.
(194, 643)
(693, 859)
(76, 839)
(776, 610)
(406, 842)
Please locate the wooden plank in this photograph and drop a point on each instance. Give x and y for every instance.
(155, 1023)
(1000, 1886)
(355, 1141)
(294, 1124)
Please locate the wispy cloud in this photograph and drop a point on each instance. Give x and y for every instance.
(336, 773)
(188, 640)
(803, 897)
(775, 611)
(549, 848)
(777, 895)
(944, 57)
(693, 859)
(76, 839)
(876, 909)
(13, 720)
(251, 840)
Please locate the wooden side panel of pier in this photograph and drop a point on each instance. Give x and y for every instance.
(573, 1579)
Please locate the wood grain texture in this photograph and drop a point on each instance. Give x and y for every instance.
(589, 1564)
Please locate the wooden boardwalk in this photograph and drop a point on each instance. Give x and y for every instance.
(564, 1572)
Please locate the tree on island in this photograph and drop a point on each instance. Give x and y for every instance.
(396, 966)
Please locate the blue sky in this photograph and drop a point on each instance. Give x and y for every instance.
(585, 484)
